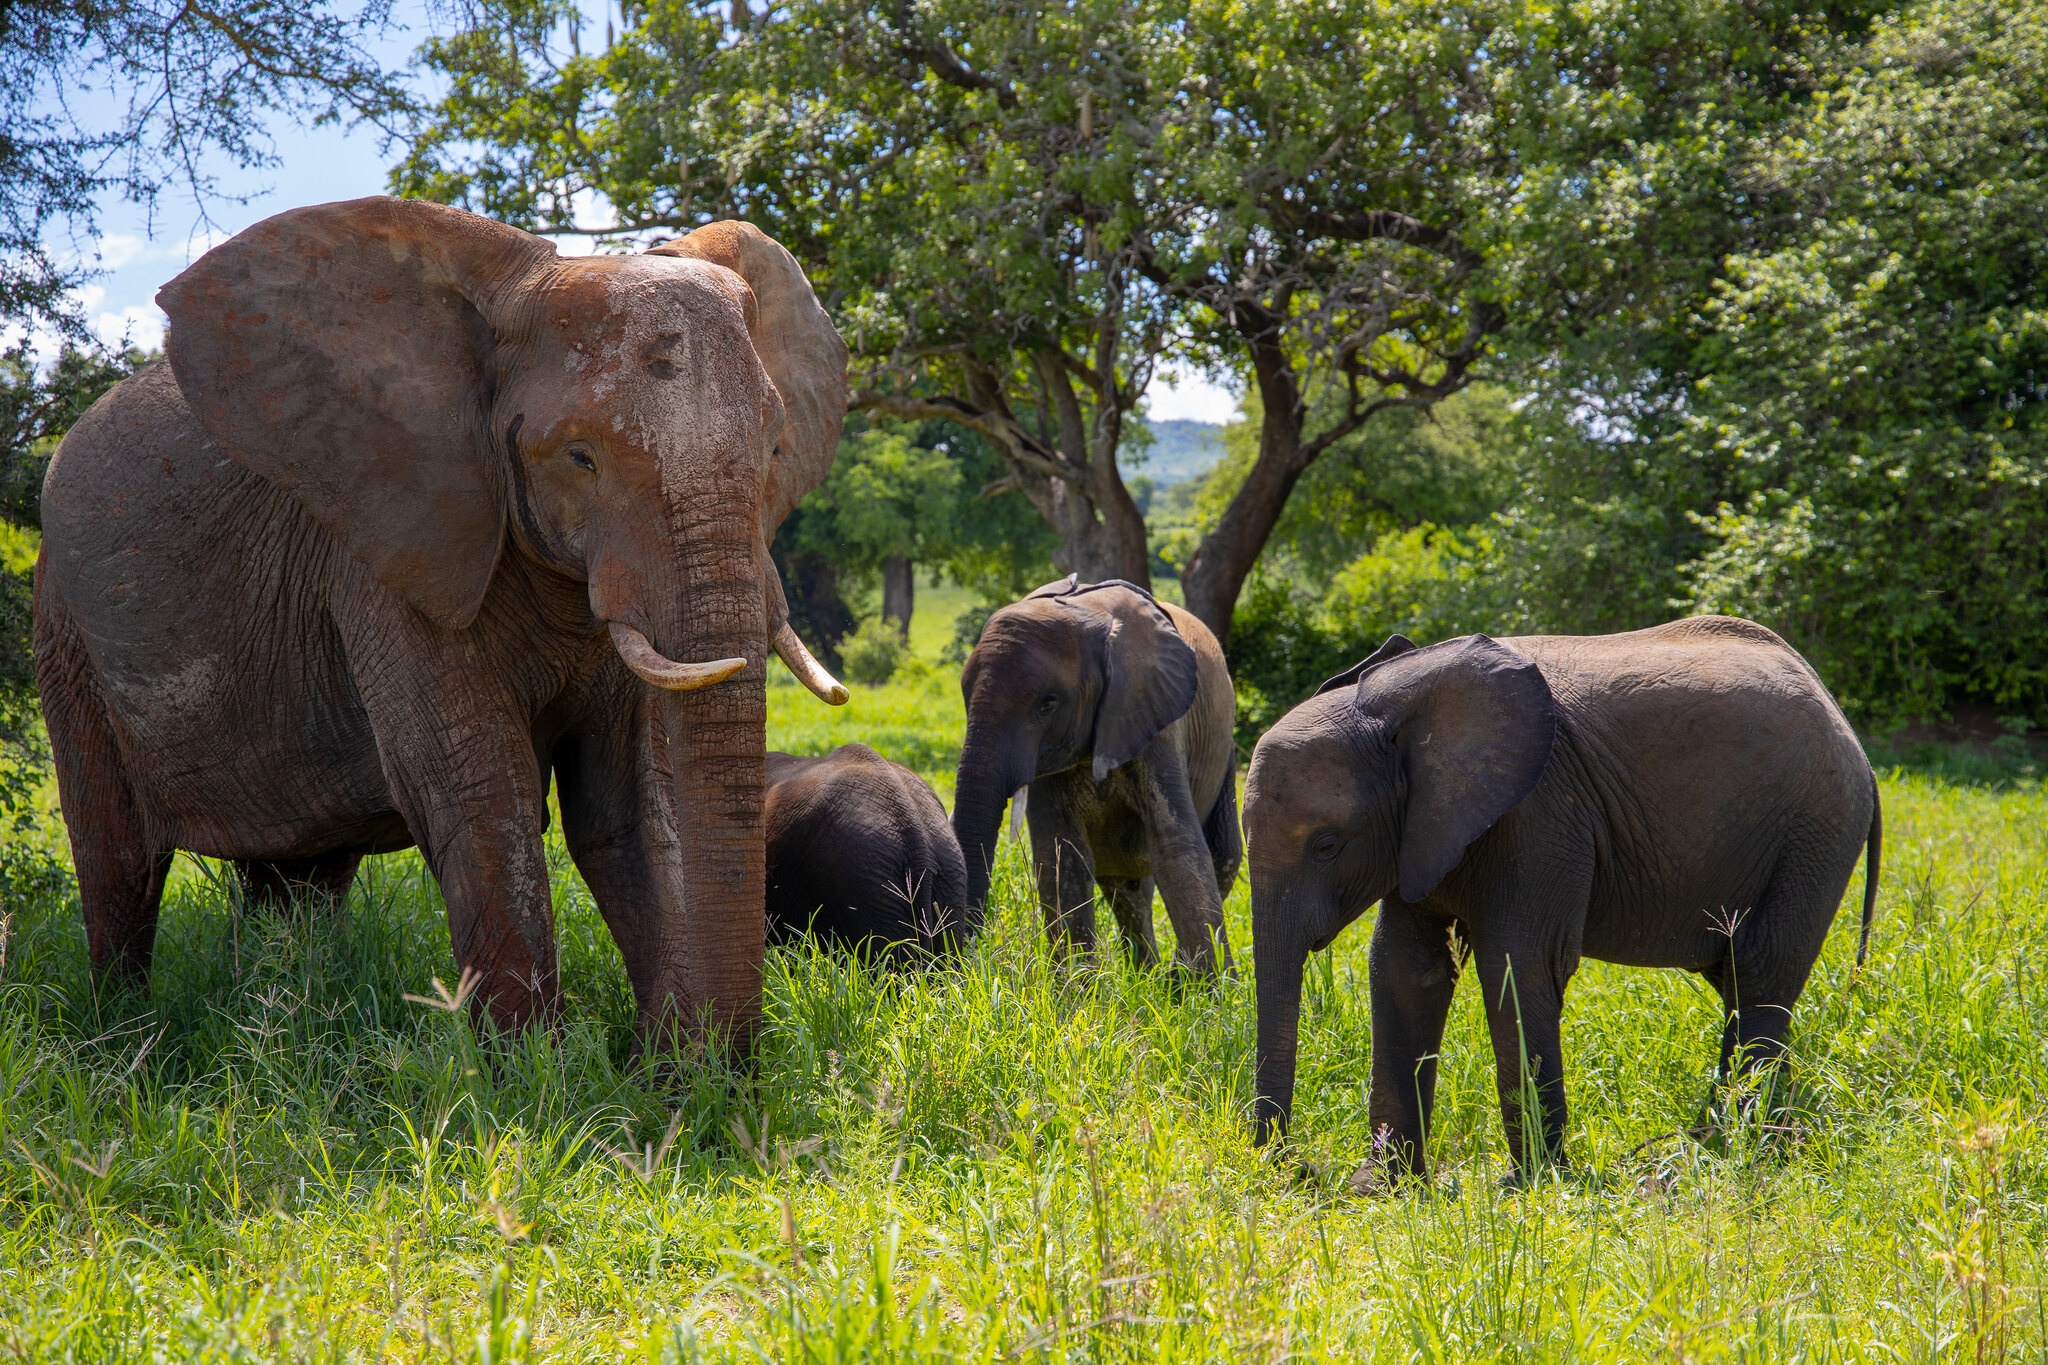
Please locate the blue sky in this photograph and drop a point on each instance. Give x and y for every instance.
(138, 252)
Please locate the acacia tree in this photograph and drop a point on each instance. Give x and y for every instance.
(932, 166)
(1016, 210)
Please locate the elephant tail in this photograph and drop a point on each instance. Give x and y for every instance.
(1223, 834)
(1873, 851)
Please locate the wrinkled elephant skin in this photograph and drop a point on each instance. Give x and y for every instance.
(1116, 710)
(861, 855)
(416, 518)
(1687, 796)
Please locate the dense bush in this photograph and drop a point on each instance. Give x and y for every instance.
(873, 652)
(1841, 430)
(1879, 387)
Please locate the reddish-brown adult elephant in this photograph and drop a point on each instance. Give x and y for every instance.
(416, 516)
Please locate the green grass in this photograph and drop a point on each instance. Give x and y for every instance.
(277, 1155)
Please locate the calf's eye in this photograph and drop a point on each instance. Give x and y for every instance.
(580, 457)
(1325, 845)
(1048, 704)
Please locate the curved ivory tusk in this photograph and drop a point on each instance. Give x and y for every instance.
(808, 670)
(647, 661)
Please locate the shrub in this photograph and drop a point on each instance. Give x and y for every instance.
(967, 630)
(873, 652)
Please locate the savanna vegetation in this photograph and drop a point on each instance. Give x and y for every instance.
(1544, 318)
(292, 1149)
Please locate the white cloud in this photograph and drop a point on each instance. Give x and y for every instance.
(1187, 397)
(117, 249)
(139, 325)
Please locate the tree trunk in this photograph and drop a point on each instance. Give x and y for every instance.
(1216, 571)
(899, 591)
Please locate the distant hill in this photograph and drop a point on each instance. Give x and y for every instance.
(1181, 450)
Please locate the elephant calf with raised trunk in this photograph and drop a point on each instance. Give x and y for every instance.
(1116, 710)
(861, 855)
(416, 517)
(1688, 796)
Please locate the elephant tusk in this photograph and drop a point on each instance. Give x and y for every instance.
(652, 667)
(808, 670)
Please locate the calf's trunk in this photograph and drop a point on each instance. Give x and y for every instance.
(1278, 956)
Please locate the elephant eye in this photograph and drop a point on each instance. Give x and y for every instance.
(580, 457)
(1048, 703)
(1325, 845)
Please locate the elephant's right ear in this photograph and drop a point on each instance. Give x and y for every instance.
(1397, 644)
(1473, 721)
(799, 347)
(343, 352)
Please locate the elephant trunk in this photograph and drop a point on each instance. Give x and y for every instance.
(987, 777)
(707, 969)
(1278, 954)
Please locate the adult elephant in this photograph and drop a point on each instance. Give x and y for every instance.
(1686, 796)
(1116, 709)
(415, 516)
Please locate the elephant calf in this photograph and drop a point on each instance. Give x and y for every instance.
(1686, 796)
(860, 854)
(1117, 710)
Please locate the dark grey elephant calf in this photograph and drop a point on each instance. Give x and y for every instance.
(1686, 796)
(861, 855)
(1116, 709)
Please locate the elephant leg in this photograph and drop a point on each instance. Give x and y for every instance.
(1224, 836)
(613, 785)
(279, 883)
(1770, 954)
(117, 854)
(1065, 868)
(460, 764)
(1414, 971)
(1183, 867)
(1524, 980)
(1130, 899)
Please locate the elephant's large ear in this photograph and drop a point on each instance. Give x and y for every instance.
(1396, 645)
(1473, 721)
(799, 348)
(341, 352)
(1148, 674)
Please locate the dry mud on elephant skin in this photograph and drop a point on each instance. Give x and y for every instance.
(861, 856)
(1116, 710)
(1537, 800)
(416, 519)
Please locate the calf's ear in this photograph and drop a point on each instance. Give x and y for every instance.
(1148, 673)
(1473, 722)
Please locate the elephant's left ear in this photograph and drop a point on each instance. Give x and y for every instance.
(799, 348)
(1474, 722)
(1148, 674)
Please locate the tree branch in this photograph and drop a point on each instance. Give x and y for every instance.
(1011, 437)
(946, 64)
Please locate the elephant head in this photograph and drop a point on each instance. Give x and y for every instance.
(1075, 673)
(443, 394)
(1375, 787)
